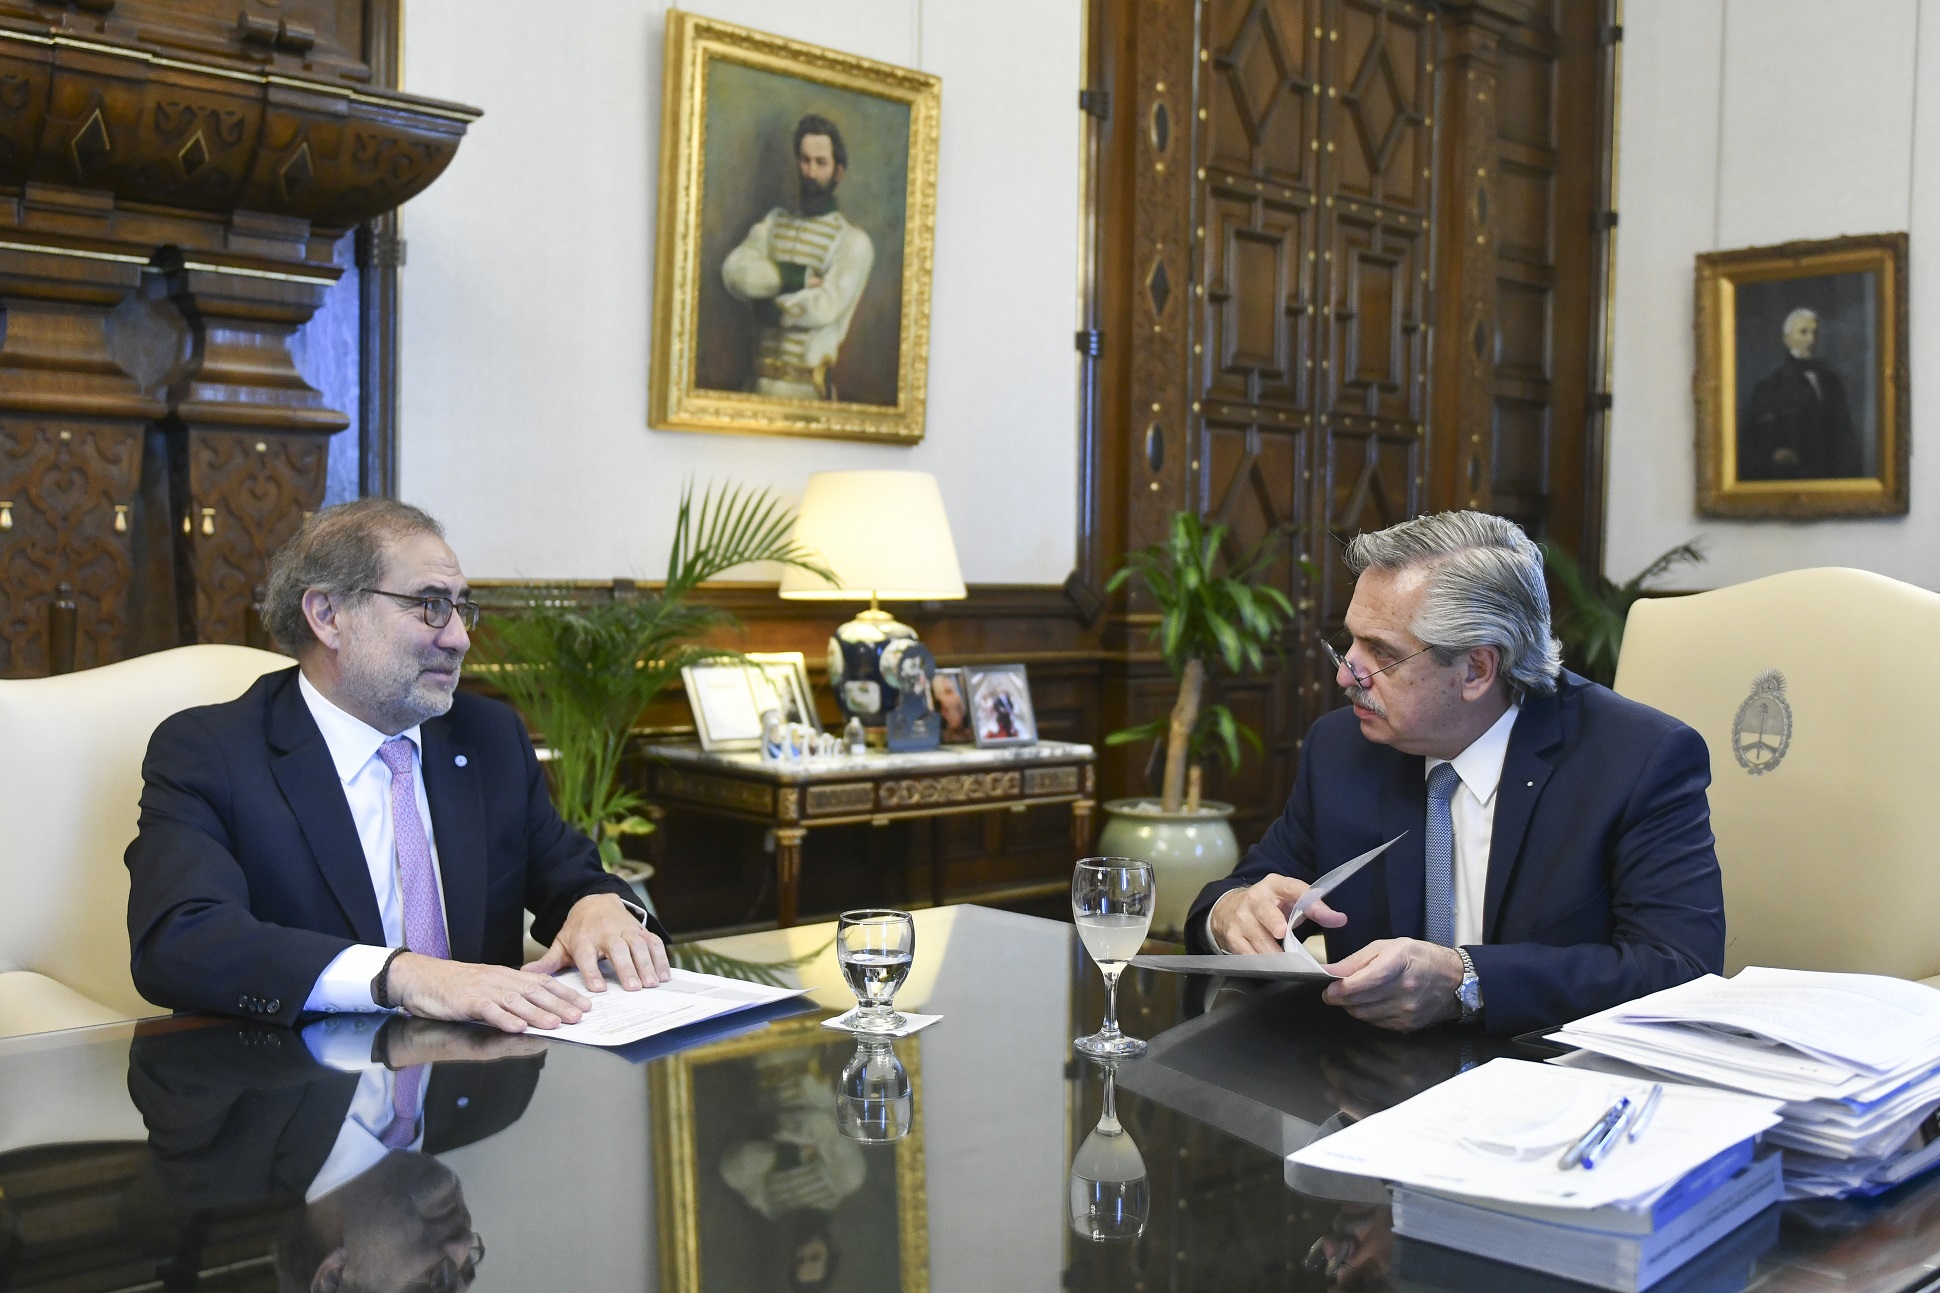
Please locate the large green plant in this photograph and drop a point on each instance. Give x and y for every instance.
(583, 674)
(1206, 614)
(1591, 622)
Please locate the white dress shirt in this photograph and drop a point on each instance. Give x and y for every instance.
(1471, 811)
(345, 982)
(344, 1045)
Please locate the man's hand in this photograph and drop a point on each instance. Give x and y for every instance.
(1398, 983)
(1255, 919)
(598, 926)
(509, 1000)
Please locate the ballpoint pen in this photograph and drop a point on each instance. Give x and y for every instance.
(1584, 1148)
(1648, 1108)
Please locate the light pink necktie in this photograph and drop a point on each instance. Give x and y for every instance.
(404, 1107)
(424, 913)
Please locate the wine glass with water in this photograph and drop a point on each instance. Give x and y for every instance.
(1111, 900)
(1110, 1195)
(875, 948)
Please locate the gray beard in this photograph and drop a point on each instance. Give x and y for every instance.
(394, 691)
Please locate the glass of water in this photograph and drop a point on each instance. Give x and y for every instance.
(875, 1102)
(1111, 1199)
(875, 948)
(1111, 899)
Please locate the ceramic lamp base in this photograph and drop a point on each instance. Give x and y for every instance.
(856, 666)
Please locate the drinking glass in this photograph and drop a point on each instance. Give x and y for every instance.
(874, 1102)
(1110, 1195)
(875, 948)
(1111, 899)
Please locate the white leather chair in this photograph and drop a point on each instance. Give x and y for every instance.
(70, 787)
(1822, 785)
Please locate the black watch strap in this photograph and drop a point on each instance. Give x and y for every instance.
(380, 987)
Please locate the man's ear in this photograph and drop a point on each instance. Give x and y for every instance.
(320, 611)
(330, 1272)
(1484, 667)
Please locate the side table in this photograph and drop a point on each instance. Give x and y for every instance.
(792, 797)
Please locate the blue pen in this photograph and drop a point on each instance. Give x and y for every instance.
(1583, 1151)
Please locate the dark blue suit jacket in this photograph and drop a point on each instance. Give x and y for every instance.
(1603, 884)
(247, 877)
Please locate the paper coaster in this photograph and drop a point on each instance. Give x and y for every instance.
(911, 1023)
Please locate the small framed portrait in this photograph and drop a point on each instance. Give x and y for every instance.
(912, 724)
(1802, 389)
(951, 696)
(729, 695)
(756, 1185)
(797, 208)
(1000, 705)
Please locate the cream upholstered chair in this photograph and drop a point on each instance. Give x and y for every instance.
(70, 786)
(1811, 690)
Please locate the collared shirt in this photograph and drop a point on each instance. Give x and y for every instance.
(346, 1045)
(1471, 810)
(353, 743)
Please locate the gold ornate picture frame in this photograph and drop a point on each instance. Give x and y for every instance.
(704, 1118)
(782, 309)
(1802, 387)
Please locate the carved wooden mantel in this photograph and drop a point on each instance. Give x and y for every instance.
(203, 157)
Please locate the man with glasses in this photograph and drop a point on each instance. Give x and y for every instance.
(356, 834)
(1556, 855)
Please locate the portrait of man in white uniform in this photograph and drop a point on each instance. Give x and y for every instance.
(802, 269)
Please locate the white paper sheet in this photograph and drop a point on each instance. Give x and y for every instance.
(1496, 1132)
(1296, 963)
(912, 1023)
(619, 1017)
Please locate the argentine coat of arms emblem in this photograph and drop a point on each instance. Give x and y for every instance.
(1762, 731)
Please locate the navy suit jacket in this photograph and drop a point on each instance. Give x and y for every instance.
(247, 878)
(1603, 883)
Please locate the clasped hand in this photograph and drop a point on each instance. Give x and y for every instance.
(1398, 983)
(514, 1000)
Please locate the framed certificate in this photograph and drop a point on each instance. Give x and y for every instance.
(728, 697)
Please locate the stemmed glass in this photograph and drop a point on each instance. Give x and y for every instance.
(875, 1103)
(875, 948)
(1111, 900)
(1110, 1195)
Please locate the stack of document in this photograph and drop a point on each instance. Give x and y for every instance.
(1476, 1167)
(1854, 1057)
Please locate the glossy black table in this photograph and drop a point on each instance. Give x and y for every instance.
(177, 1153)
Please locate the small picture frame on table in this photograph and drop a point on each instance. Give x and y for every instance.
(1000, 706)
(729, 695)
(952, 697)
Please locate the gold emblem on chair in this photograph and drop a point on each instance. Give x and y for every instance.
(1762, 732)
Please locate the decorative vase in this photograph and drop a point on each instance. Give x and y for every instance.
(1188, 850)
(856, 664)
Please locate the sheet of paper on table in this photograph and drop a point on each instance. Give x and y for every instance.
(1295, 964)
(1496, 1132)
(619, 1017)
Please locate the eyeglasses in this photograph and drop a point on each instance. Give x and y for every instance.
(449, 1276)
(437, 610)
(1362, 680)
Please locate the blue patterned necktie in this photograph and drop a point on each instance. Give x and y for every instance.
(1441, 855)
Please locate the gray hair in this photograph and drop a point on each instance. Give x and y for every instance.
(337, 551)
(1485, 588)
(1801, 313)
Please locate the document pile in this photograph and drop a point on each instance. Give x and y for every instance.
(1477, 1166)
(1854, 1057)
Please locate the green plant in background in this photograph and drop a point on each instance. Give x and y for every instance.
(1591, 622)
(583, 674)
(1204, 615)
(702, 959)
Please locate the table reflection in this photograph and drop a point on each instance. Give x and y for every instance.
(1111, 1197)
(875, 1104)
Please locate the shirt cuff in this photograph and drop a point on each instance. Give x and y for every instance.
(346, 1042)
(345, 982)
(1212, 940)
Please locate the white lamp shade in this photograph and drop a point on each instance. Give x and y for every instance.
(883, 533)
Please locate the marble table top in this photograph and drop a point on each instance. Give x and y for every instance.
(873, 763)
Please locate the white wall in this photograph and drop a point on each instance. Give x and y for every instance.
(1745, 123)
(528, 290)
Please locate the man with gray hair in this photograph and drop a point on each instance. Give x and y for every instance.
(1797, 424)
(354, 833)
(1556, 853)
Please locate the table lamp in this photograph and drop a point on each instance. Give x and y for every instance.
(885, 536)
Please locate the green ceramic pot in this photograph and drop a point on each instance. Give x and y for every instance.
(1187, 850)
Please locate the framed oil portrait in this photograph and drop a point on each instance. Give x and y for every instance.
(797, 211)
(1000, 706)
(757, 1187)
(1802, 391)
(729, 695)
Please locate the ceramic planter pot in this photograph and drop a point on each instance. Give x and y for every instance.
(1187, 850)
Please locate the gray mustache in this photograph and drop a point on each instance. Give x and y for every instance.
(1365, 699)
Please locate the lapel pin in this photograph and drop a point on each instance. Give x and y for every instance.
(460, 761)
(1531, 784)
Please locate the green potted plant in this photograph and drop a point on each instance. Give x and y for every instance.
(1210, 610)
(1592, 617)
(583, 674)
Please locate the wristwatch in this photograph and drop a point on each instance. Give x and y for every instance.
(1468, 994)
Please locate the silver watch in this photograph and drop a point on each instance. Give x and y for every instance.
(1469, 992)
